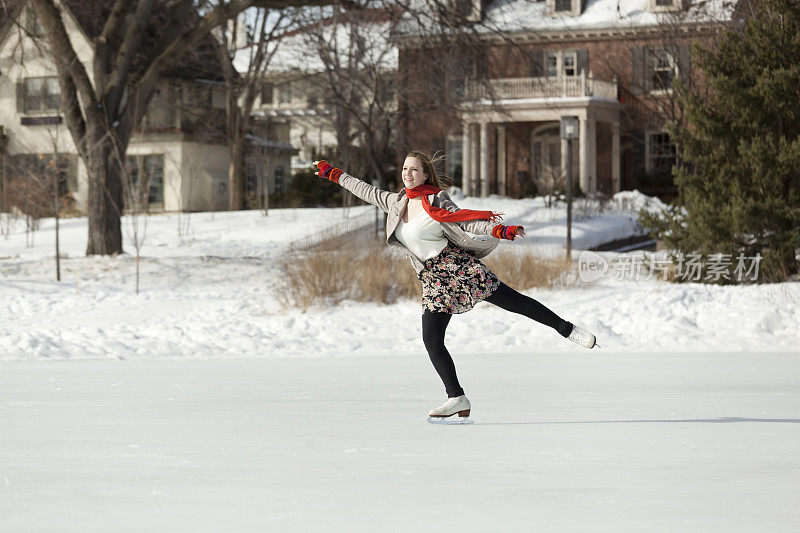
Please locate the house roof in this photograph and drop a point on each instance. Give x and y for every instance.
(297, 51)
(201, 63)
(531, 16)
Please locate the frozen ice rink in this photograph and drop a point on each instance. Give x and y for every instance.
(590, 441)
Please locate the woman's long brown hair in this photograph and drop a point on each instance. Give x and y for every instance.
(429, 162)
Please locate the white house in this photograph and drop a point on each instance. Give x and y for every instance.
(296, 92)
(179, 148)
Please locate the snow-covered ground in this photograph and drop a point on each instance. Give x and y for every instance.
(204, 404)
(214, 292)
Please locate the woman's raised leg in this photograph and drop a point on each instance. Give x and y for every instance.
(507, 298)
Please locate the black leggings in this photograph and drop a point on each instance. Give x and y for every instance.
(435, 324)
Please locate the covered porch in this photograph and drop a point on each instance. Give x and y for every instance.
(514, 134)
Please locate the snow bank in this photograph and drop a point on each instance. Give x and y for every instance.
(215, 292)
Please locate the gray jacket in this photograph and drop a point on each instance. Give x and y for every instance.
(394, 204)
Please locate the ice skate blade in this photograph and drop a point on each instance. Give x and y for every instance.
(449, 421)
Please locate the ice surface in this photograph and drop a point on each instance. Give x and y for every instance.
(595, 441)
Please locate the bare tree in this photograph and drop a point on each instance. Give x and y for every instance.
(359, 64)
(263, 28)
(36, 186)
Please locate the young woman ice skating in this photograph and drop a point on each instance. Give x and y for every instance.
(430, 229)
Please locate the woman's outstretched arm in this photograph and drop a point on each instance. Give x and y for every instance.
(365, 191)
(483, 227)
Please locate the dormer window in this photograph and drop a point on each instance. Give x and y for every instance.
(664, 5)
(468, 9)
(569, 8)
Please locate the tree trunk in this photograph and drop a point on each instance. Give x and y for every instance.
(105, 197)
(236, 174)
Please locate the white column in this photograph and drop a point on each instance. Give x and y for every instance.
(616, 160)
(592, 183)
(484, 178)
(473, 166)
(583, 156)
(501, 160)
(466, 157)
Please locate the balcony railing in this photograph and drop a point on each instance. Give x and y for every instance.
(560, 87)
(161, 116)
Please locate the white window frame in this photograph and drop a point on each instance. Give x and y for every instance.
(279, 178)
(561, 57)
(285, 93)
(140, 171)
(43, 109)
(651, 67)
(574, 11)
(651, 151)
(455, 156)
(668, 5)
(571, 54)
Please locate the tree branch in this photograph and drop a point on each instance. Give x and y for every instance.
(130, 46)
(182, 43)
(102, 45)
(67, 62)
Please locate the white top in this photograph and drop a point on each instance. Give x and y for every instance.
(422, 235)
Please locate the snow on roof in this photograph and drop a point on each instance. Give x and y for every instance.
(518, 16)
(297, 53)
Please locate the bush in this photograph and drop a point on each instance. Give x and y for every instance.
(308, 190)
(353, 269)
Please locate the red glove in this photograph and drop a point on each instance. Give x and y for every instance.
(507, 232)
(328, 171)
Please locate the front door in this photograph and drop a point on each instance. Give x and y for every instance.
(546, 158)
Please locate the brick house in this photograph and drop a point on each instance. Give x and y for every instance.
(610, 63)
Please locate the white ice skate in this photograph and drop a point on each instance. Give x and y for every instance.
(582, 337)
(459, 405)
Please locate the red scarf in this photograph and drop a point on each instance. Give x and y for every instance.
(443, 215)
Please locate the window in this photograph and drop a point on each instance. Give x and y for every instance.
(266, 94)
(563, 5)
(463, 7)
(198, 95)
(660, 68)
(279, 180)
(570, 64)
(154, 176)
(250, 179)
(42, 95)
(552, 64)
(664, 3)
(285, 93)
(386, 90)
(146, 179)
(661, 154)
(455, 160)
(455, 84)
(42, 168)
(562, 63)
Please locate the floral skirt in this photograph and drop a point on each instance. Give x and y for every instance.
(454, 281)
